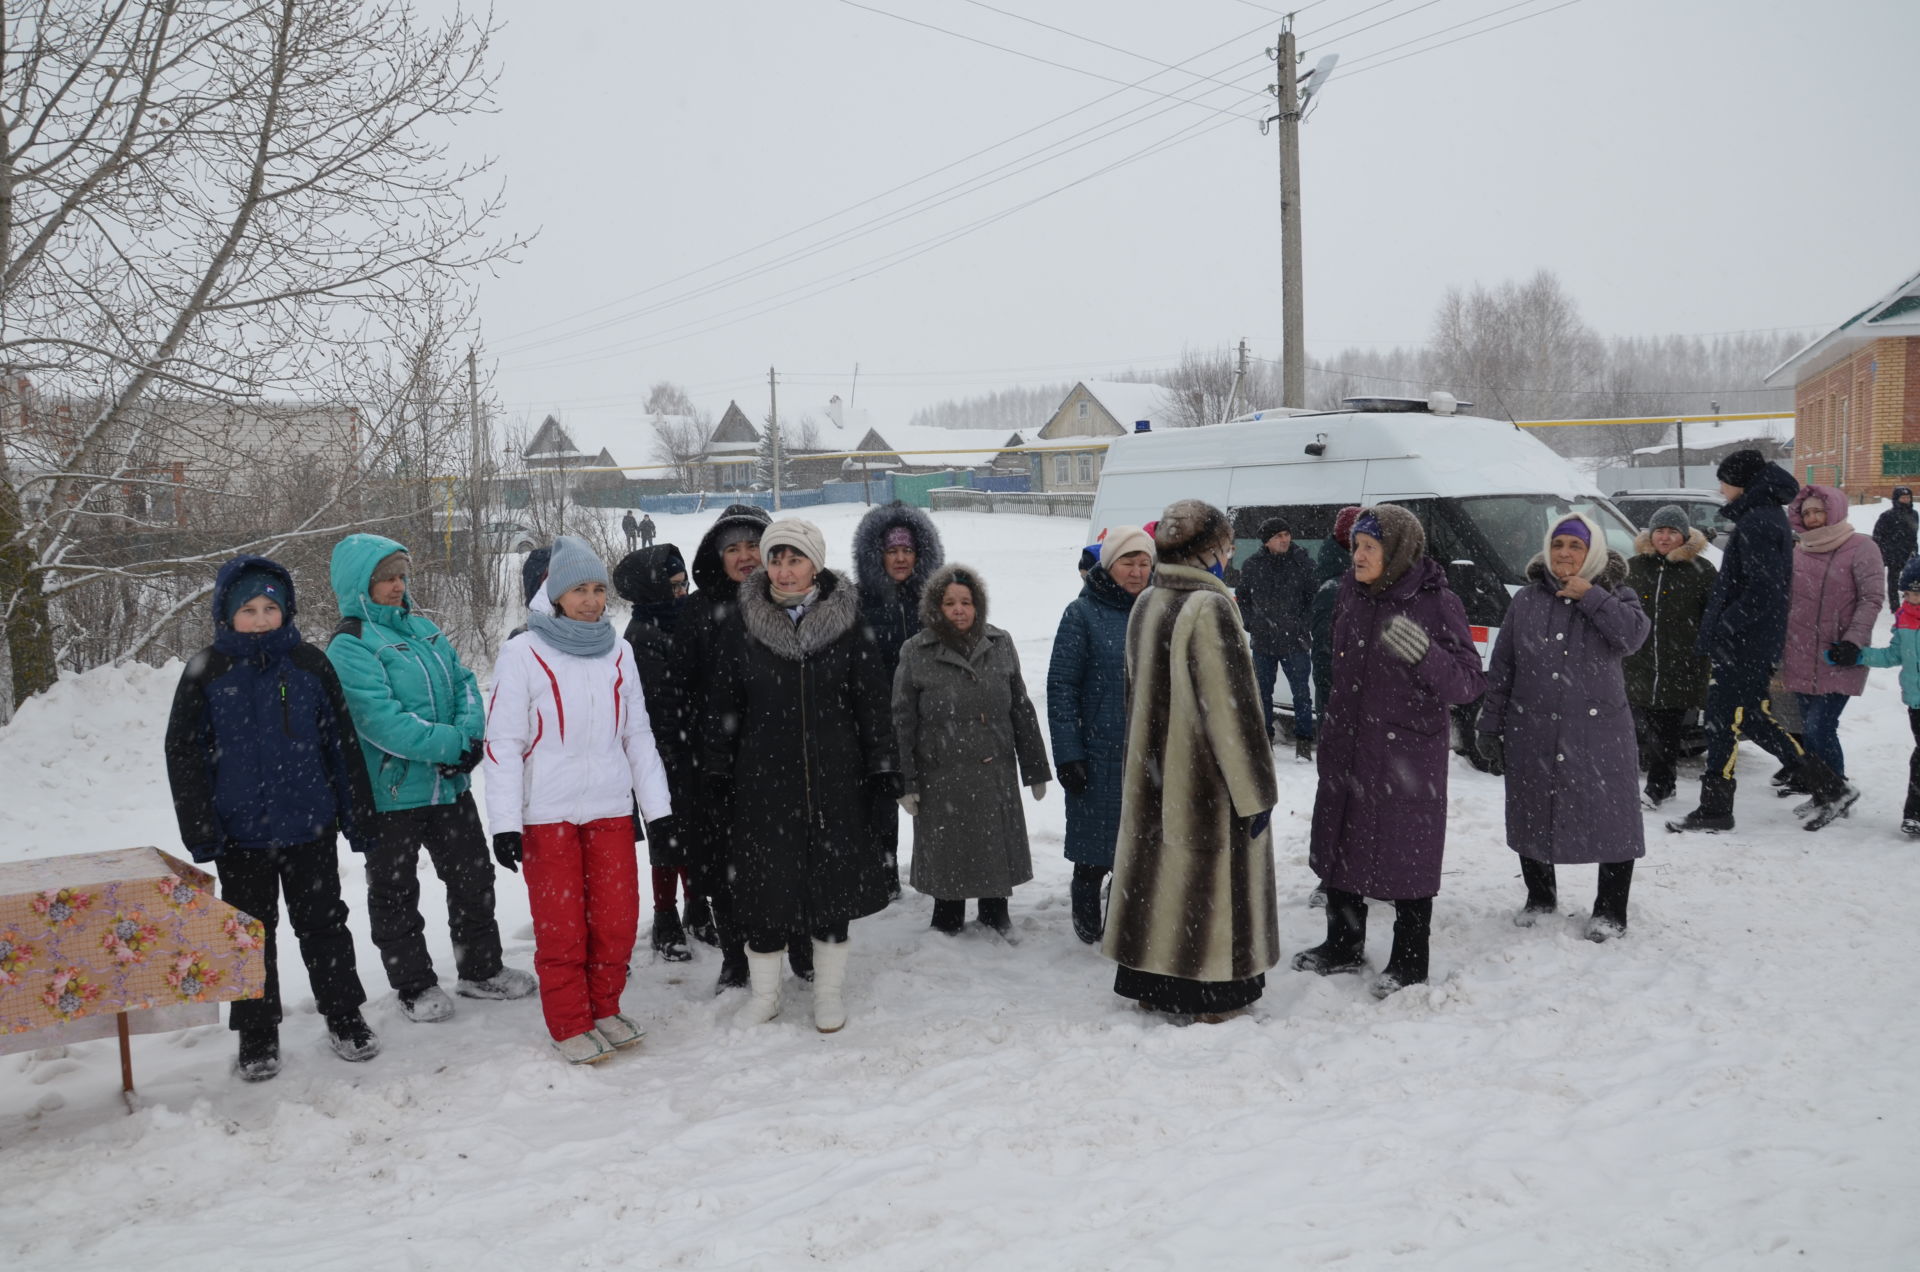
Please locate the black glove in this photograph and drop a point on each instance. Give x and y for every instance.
(507, 851)
(664, 833)
(1492, 750)
(469, 760)
(1844, 653)
(1257, 824)
(1075, 776)
(887, 786)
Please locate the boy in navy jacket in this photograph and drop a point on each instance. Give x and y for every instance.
(265, 769)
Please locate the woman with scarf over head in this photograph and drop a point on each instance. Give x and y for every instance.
(1839, 585)
(1403, 655)
(569, 753)
(1556, 716)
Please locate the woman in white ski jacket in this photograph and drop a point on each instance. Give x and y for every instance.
(569, 749)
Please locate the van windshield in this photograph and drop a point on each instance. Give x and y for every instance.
(1515, 527)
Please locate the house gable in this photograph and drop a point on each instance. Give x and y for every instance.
(734, 426)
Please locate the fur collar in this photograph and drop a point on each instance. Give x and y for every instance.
(1612, 575)
(1696, 544)
(833, 615)
(869, 549)
(1186, 578)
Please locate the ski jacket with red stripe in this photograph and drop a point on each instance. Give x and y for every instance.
(568, 738)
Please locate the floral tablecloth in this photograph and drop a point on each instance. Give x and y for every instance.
(86, 936)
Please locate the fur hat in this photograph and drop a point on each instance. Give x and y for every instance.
(1122, 541)
(1670, 517)
(792, 532)
(1402, 537)
(394, 565)
(572, 563)
(1740, 468)
(1188, 530)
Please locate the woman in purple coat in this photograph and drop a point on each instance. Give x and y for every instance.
(1402, 655)
(1556, 712)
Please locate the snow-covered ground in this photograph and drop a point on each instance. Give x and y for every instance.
(1733, 1085)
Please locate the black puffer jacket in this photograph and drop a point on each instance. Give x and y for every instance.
(643, 580)
(1276, 599)
(892, 609)
(1666, 673)
(1746, 618)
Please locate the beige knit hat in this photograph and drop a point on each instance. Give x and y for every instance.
(802, 536)
(1122, 540)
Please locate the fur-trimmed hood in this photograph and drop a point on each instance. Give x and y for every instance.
(869, 550)
(708, 571)
(1695, 544)
(1405, 542)
(1612, 575)
(933, 619)
(832, 615)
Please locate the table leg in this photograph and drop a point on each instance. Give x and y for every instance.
(126, 1054)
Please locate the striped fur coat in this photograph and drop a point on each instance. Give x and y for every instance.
(1192, 896)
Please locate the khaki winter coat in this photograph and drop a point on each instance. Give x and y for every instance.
(1193, 897)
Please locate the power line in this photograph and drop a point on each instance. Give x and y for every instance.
(1368, 57)
(1525, 17)
(1075, 35)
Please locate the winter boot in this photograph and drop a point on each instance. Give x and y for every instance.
(1786, 781)
(800, 956)
(733, 949)
(669, 939)
(350, 1038)
(1407, 965)
(1910, 826)
(620, 1030)
(259, 1054)
(1085, 893)
(697, 918)
(1543, 893)
(1716, 807)
(829, 978)
(508, 982)
(763, 973)
(430, 1006)
(949, 917)
(993, 913)
(1833, 796)
(1610, 901)
(1317, 899)
(590, 1047)
(891, 866)
(1345, 948)
(1303, 749)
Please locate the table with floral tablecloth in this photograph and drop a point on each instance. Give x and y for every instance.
(88, 936)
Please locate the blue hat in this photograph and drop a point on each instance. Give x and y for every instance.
(253, 583)
(1910, 574)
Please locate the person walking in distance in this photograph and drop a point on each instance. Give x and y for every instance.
(1556, 716)
(421, 725)
(1087, 713)
(1896, 532)
(648, 530)
(1667, 676)
(569, 754)
(631, 528)
(1277, 586)
(1744, 631)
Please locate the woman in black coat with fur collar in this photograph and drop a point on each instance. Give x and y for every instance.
(799, 758)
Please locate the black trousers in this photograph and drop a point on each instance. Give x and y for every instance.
(309, 875)
(774, 942)
(1660, 745)
(1912, 810)
(1737, 707)
(1893, 587)
(457, 845)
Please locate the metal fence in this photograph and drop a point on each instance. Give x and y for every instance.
(956, 499)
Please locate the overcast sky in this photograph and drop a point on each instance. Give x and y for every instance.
(1683, 165)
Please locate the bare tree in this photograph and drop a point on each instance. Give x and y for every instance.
(679, 440)
(207, 202)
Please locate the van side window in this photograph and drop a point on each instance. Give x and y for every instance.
(1312, 525)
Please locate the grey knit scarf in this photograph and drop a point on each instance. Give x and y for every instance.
(571, 636)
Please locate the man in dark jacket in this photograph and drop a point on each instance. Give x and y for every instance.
(647, 530)
(1897, 533)
(1743, 631)
(1276, 602)
(895, 551)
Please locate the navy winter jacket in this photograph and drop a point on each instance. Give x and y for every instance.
(1087, 712)
(261, 751)
(1745, 622)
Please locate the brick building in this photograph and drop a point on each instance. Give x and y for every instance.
(1856, 399)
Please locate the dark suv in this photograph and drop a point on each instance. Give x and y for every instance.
(1701, 506)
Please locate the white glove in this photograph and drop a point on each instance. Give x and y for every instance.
(1039, 790)
(911, 803)
(1405, 639)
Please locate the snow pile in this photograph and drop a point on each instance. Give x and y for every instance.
(1732, 1085)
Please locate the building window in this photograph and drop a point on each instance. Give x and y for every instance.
(1062, 470)
(1086, 469)
(1082, 411)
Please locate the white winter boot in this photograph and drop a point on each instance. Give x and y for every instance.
(763, 977)
(829, 976)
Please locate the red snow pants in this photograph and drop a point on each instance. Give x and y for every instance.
(583, 886)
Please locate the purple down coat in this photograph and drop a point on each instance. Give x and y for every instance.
(1839, 587)
(1380, 816)
(1557, 696)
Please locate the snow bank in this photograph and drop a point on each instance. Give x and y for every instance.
(1731, 1086)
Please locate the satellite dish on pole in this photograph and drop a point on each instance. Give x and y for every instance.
(1315, 80)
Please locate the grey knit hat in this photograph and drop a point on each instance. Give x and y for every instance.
(1671, 517)
(572, 564)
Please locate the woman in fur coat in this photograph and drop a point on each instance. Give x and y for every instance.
(798, 760)
(1402, 656)
(1666, 676)
(1556, 712)
(969, 738)
(1191, 920)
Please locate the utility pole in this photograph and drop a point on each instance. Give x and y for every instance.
(1239, 378)
(1293, 356)
(773, 417)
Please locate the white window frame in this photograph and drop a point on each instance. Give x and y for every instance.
(1082, 413)
(1086, 468)
(1062, 471)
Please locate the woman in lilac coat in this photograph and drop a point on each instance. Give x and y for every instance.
(1839, 585)
(1556, 712)
(1402, 655)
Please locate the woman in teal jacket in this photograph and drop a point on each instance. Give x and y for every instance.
(421, 723)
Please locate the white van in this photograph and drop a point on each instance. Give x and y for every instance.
(1486, 491)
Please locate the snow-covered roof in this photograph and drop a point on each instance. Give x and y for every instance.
(1895, 314)
(1128, 402)
(625, 441)
(958, 446)
(1705, 436)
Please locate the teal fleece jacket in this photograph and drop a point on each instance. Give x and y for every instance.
(414, 704)
(1904, 653)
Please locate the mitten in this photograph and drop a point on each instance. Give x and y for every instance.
(1405, 639)
(1075, 776)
